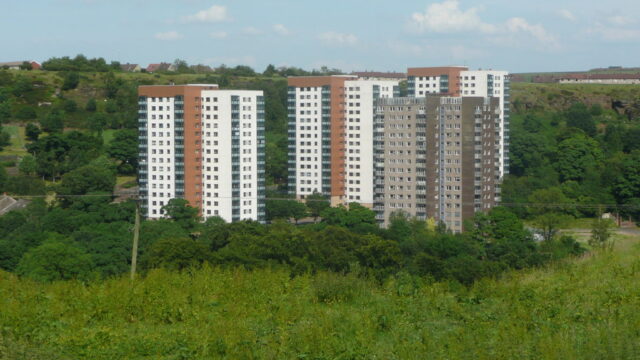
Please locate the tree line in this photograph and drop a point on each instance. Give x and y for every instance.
(89, 238)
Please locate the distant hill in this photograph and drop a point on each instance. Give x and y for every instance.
(624, 99)
(550, 77)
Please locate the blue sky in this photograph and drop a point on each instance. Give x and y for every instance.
(513, 35)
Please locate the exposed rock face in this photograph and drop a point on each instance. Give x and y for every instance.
(625, 100)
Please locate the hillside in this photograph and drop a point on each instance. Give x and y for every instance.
(528, 97)
(579, 309)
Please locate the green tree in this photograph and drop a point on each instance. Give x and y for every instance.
(400, 227)
(111, 107)
(26, 66)
(96, 176)
(55, 260)
(91, 105)
(28, 165)
(25, 112)
(269, 71)
(317, 203)
(182, 213)
(627, 184)
(5, 112)
(601, 233)
(124, 148)
(70, 80)
(32, 132)
(70, 106)
(577, 155)
(276, 158)
(182, 67)
(175, 254)
(532, 123)
(297, 210)
(551, 210)
(53, 122)
(24, 185)
(548, 224)
(3, 178)
(356, 218)
(108, 243)
(579, 116)
(5, 139)
(528, 152)
(97, 122)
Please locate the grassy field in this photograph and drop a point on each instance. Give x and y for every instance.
(581, 309)
(107, 136)
(18, 141)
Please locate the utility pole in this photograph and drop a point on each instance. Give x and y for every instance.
(134, 249)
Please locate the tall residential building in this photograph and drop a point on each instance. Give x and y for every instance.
(425, 81)
(460, 81)
(204, 145)
(492, 83)
(331, 136)
(437, 156)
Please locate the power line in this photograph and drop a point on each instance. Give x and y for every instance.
(533, 205)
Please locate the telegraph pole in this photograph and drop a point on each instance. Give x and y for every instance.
(134, 248)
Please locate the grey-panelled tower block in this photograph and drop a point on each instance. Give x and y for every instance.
(437, 157)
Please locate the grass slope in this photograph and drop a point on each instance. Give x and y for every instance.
(18, 141)
(558, 97)
(583, 309)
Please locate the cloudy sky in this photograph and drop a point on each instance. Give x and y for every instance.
(514, 35)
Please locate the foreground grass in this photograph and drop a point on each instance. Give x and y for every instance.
(583, 309)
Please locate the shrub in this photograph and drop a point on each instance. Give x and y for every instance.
(330, 287)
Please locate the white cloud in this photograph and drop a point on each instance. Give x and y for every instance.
(338, 39)
(615, 34)
(447, 17)
(250, 30)
(218, 34)
(168, 36)
(281, 29)
(566, 14)
(616, 29)
(620, 20)
(519, 25)
(216, 13)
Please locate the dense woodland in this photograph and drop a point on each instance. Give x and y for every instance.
(566, 162)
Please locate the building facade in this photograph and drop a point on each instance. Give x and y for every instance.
(460, 81)
(330, 133)
(204, 145)
(437, 157)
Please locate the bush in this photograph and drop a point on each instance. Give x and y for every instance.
(71, 80)
(55, 260)
(330, 287)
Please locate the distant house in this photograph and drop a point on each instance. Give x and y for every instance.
(160, 67)
(610, 79)
(17, 65)
(130, 67)
(7, 203)
(377, 75)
